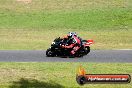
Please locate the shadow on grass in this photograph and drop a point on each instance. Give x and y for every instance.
(32, 83)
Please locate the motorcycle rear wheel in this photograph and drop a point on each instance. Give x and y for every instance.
(87, 50)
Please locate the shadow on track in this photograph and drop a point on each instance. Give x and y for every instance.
(32, 83)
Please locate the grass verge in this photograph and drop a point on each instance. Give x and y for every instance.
(54, 75)
(22, 39)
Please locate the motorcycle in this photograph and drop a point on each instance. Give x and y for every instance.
(57, 50)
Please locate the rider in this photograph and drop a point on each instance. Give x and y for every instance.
(75, 42)
(68, 38)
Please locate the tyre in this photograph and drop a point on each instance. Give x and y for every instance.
(87, 50)
(84, 51)
(49, 53)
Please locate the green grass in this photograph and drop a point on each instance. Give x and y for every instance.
(92, 20)
(54, 75)
(33, 26)
(41, 39)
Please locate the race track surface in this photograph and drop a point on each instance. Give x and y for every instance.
(39, 56)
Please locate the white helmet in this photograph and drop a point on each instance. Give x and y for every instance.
(70, 34)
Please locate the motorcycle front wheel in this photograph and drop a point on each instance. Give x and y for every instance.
(49, 53)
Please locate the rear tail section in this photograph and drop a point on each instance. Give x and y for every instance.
(90, 41)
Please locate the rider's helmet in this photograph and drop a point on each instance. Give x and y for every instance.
(70, 34)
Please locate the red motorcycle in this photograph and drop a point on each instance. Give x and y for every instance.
(57, 50)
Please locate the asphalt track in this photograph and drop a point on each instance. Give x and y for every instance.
(39, 56)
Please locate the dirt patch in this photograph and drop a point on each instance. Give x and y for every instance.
(25, 1)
